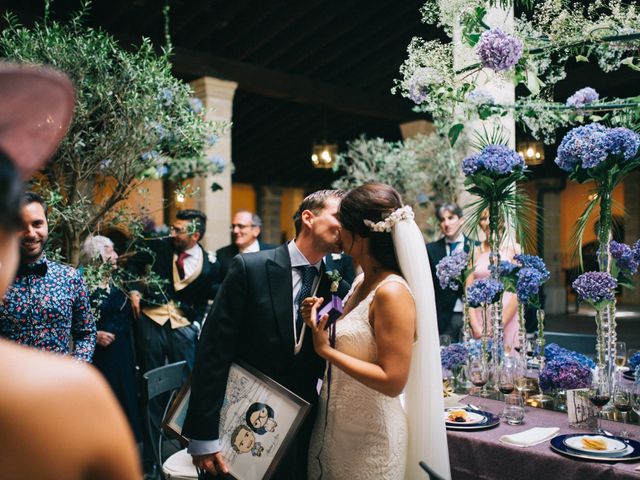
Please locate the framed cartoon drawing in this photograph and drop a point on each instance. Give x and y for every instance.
(258, 421)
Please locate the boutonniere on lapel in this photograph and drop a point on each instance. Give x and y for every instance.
(334, 277)
(333, 307)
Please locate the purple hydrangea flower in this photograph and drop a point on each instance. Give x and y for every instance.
(450, 269)
(498, 159)
(528, 284)
(419, 83)
(590, 145)
(564, 373)
(595, 287)
(535, 262)
(625, 256)
(483, 292)
(453, 356)
(498, 50)
(582, 97)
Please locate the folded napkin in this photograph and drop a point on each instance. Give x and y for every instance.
(530, 437)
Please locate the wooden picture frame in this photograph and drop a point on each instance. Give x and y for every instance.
(258, 421)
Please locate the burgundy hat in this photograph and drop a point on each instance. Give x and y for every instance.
(36, 105)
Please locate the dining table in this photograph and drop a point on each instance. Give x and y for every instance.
(479, 454)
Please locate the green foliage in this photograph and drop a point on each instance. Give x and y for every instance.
(553, 33)
(420, 168)
(133, 120)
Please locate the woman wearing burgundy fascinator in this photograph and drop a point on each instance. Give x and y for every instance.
(59, 417)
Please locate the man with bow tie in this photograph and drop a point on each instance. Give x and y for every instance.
(448, 302)
(48, 304)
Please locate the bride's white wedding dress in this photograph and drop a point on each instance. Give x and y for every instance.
(364, 433)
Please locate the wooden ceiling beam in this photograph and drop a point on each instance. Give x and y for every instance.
(294, 88)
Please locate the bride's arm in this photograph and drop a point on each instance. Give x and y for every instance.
(393, 316)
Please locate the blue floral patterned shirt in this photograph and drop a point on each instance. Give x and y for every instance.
(46, 307)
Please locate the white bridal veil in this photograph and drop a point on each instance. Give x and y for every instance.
(424, 403)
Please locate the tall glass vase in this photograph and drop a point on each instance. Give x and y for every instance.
(496, 307)
(606, 317)
(541, 397)
(466, 324)
(522, 331)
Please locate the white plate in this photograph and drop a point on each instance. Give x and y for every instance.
(613, 445)
(472, 418)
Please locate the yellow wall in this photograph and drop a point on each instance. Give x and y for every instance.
(572, 203)
(291, 199)
(243, 197)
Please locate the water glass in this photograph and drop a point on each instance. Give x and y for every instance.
(622, 400)
(620, 355)
(513, 412)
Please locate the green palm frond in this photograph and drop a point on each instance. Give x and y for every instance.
(580, 227)
(516, 210)
(498, 135)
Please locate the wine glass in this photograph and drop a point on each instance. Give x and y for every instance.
(506, 379)
(622, 400)
(620, 355)
(600, 393)
(478, 373)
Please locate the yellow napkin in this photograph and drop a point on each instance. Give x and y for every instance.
(530, 437)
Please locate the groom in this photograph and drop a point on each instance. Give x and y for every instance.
(253, 319)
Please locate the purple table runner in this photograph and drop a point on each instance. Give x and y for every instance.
(480, 455)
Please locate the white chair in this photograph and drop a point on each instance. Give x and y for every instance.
(179, 467)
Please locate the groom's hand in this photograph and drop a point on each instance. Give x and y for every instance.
(211, 462)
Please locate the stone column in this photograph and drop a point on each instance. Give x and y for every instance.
(632, 228)
(217, 97)
(269, 207)
(555, 289)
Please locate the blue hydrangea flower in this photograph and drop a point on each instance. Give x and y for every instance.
(196, 104)
(595, 287)
(162, 170)
(484, 292)
(453, 356)
(505, 268)
(498, 159)
(625, 256)
(449, 270)
(535, 262)
(582, 97)
(218, 161)
(150, 155)
(590, 145)
(528, 284)
(480, 96)
(498, 50)
(166, 96)
(634, 361)
(553, 351)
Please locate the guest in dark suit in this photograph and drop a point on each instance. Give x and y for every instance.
(448, 302)
(245, 232)
(255, 319)
(169, 315)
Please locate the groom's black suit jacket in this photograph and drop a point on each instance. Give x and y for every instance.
(445, 298)
(252, 321)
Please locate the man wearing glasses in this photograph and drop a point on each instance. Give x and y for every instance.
(169, 312)
(245, 230)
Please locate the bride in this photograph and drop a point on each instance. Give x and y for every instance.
(386, 343)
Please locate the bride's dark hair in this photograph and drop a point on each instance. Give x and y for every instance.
(372, 201)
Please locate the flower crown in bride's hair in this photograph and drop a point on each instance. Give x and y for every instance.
(402, 213)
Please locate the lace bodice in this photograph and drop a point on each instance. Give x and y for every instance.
(365, 435)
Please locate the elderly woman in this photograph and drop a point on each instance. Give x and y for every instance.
(114, 355)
